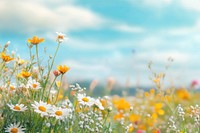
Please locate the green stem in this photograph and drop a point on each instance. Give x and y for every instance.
(51, 87)
(38, 61)
(45, 84)
(59, 89)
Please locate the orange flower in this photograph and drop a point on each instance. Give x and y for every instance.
(158, 108)
(134, 117)
(121, 104)
(118, 116)
(63, 69)
(5, 57)
(35, 40)
(25, 74)
(183, 94)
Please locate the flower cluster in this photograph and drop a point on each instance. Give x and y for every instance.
(37, 99)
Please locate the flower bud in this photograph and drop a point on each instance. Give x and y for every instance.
(56, 73)
(109, 109)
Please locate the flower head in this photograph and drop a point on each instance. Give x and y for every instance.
(33, 84)
(6, 58)
(25, 74)
(42, 108)
(15, 128)
(60, 37)
(98, 103)
(63, 69)
(17, 107)
(59, 113)
(35, 40)
(85, 100)
(56, 73)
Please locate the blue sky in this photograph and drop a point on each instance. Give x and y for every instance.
(115, 38)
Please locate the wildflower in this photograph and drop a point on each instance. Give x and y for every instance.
(33, 84)
(98, 104)
(63, 69)
(183, 94)
(17, 107)
(13, 87)
(158, 108)
(20, 61)
(109, 109)
(25, 74)
(60, 37)
(56, 73)
(59, 113)
(35, 40)
(134, 117)
(6, 58)
(42, 108)
(118, 116)
(85, 100)
(15, 128)
(121, 104)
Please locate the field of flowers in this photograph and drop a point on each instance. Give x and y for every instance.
(35, 99)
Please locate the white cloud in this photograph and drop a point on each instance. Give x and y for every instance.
(187, 30)
(157, 2)
(190, 4)
(152, 3)
(32, 16)
(128, 28)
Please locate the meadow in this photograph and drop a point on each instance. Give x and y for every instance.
(36, 99)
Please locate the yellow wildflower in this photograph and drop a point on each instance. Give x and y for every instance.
(25, 74)
(5, 57)
(183, 94)
(35, 40)
(63, 69)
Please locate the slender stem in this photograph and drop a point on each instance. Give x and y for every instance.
(38, 61)
(51, 87)
(59, 88)
(45, 84)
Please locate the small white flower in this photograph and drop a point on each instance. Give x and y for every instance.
(33, 84)
(59, 113)
(98, 104)
(15, 128)
(60, 37)
(42, 108)
(85, 100)
(17, 107)
(53, 91)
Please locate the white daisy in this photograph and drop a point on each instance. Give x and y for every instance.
(59, 113)
(60, 37)
(15, 128)
(42, 108)
(17, 107)
(33, 84)
(85, 100)
(98, 104)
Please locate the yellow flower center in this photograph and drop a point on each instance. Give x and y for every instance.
(58, 113)
(60, 37)
(85, 99)
(34, 85)
(42, 108)
(17, 108)
(14, 130)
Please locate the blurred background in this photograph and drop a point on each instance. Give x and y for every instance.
(110, 41)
